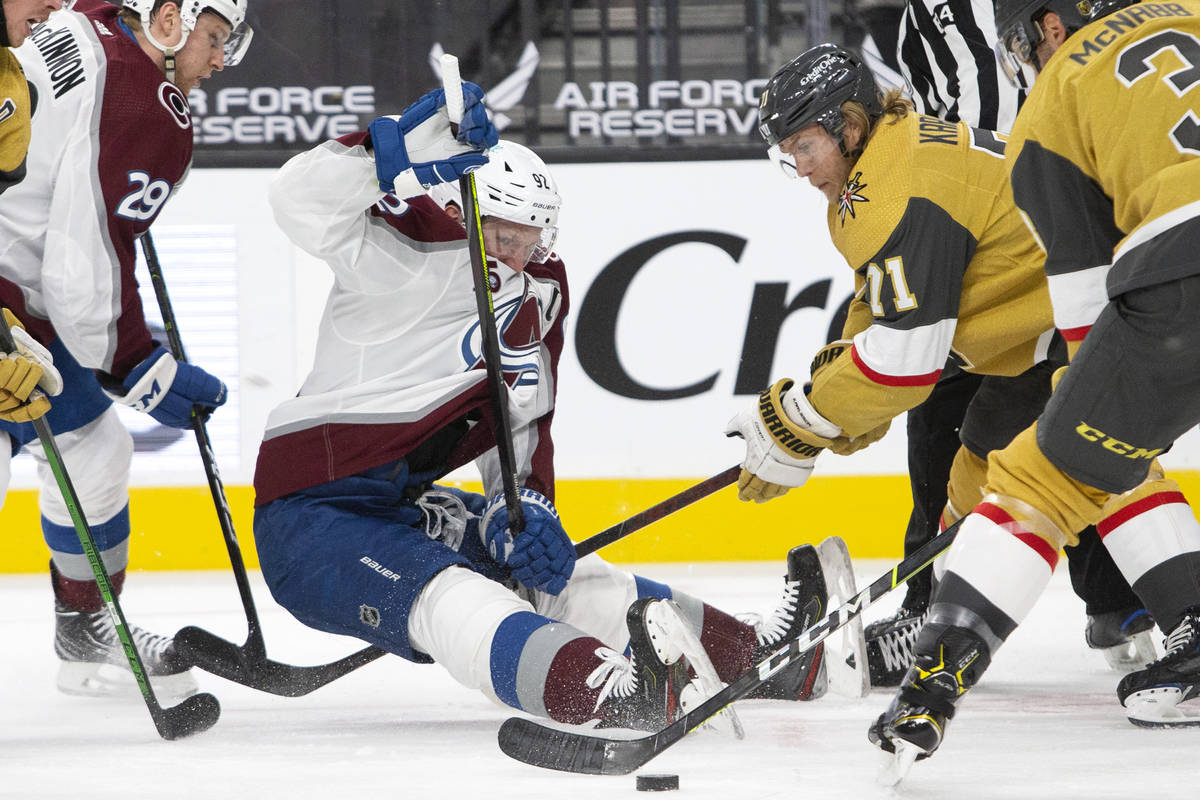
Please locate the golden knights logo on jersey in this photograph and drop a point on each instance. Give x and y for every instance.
(851, 194)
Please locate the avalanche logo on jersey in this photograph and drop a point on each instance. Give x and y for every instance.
(851, 194)
(519, 330)
(176, 104)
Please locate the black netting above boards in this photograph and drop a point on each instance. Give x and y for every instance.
(602, 80)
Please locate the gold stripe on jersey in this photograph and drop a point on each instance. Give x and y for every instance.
(928, 224)
(14, 120)
(1116, 109)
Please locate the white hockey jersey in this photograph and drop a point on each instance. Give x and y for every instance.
(112, 139)
(399, 352)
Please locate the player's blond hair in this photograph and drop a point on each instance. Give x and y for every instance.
(895, 107)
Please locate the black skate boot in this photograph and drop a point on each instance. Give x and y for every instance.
(93, 661)
(667, 673)
(913, 726)
(1123, 637)
(892, 643)
(1166, 694)
(803, 604)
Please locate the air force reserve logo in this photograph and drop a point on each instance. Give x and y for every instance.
(505, 94)
(851, 194)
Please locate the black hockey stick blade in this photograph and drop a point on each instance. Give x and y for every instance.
(570, 751)
(227, 660)
(195, 714)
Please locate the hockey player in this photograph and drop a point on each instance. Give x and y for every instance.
(18, 18)
(945, 268)
(946, 57)
(20, 372)
(352, 534)
(112, 139)
(1115, 209)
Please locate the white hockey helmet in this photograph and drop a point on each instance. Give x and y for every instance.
(517, 186)
(233, 11)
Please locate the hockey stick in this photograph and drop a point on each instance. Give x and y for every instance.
(196, 713)
(569, 751)
(657, 511)
(489, 338)
(225, 659)
(247, 664)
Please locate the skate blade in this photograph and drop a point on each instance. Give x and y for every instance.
(725, 721)
(895, 766)
(1135, 654)
(1159, 707)
(86, 679)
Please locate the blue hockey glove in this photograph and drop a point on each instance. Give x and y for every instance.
(541, 556)
(416, 150)
(167, 389)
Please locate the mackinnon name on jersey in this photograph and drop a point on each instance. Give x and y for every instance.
(61, 52)
(1126, 20)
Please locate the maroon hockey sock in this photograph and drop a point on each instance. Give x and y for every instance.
(728, 641)
(567, 696)
(82, 595)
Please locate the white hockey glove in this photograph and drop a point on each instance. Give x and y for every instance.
(784, 435)
(29, 368)
(417, 149)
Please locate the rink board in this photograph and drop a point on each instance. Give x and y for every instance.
(176, 528)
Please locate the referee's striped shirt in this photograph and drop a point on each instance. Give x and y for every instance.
(947, 57)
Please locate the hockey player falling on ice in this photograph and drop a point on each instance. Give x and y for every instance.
(112, 139)
(353, 536)
(945, 266)
(1116, 209)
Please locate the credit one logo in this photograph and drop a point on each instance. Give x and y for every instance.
(596, 329)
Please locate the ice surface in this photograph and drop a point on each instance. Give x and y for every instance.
(1045, 723)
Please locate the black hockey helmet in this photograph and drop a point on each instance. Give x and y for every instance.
(1018, 32)
(1102, 8)
(811, 89)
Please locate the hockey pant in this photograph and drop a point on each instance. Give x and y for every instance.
(359, 557)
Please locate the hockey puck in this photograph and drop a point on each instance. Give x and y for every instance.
(657, 783)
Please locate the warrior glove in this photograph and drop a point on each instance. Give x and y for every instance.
(21, 372)
(784, 435)
(541, 556)
(417, 149)
(167, 389)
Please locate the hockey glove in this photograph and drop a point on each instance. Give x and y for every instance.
(541, 556)
(784, 435)
(167, 390)
(417, 150)
(21, 372)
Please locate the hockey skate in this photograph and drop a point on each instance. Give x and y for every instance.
(1124, 638)
(93, 661)
(1166, 694)
(813, 575)
(891, 645)
(666, 675)
(913, 726)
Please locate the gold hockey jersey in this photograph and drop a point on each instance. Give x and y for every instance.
(944, 266)
(14, 120)
(1104, 158)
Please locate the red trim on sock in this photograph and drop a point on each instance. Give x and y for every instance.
(566, 694)
(728, 641)
(1005, 520)
(1119, 518)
